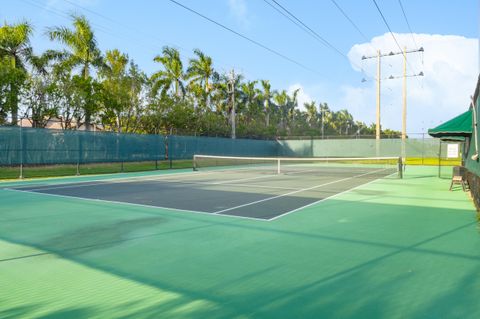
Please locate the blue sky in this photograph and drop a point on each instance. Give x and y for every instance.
(448, 30)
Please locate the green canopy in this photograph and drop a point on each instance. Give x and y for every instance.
(458, 126)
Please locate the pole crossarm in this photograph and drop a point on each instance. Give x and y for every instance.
(391, 53)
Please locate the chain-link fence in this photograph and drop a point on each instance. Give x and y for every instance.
(27, 147)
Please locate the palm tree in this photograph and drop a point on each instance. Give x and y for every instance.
(345, 120)
(266, 95)
(326, 116)
(15, 46)
(200, 71)
(291, 108)
(40, 87)
(281, 99)
(312, 115)
(172, 76)
(82, 51)
(116, 87)
(249, 98)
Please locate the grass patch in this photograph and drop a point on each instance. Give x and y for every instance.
(433, 161)
(35, 171)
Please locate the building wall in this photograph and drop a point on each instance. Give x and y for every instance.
(473, 165)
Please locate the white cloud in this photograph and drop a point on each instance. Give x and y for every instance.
(238, 9)
(450, 64)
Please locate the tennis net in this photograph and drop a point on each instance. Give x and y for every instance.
(377, 166)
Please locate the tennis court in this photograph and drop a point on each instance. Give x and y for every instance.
(179, 244)
(235, 186)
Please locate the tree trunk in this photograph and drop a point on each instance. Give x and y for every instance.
(14, 103)
(87, 121)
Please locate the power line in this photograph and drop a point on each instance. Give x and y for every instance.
(288, 17)
(127, 27)
(355, 26)
(245, 37)
(391, 33)
(304, 27)
(319, 37)
(408, 24)
(148, 45)
(350, 20)
(388, 26)
(187, 54)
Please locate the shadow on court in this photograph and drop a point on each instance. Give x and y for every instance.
(354, 259)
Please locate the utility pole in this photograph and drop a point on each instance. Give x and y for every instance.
(377, 127)
(231, 90)
(404, 105)
(322, 114)
(404, 95)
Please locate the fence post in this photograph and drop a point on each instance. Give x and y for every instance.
(78, 153)
(157, 140)
(169, 151)
(311, 146)
(21, 152)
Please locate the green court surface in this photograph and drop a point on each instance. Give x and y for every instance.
(390, 248)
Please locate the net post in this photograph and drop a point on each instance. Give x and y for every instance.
(278, 166)
(439, 157)
(79, 152)
(400, 167)
(168, 151)
(194, 162)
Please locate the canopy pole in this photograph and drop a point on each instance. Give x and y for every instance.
(475, 132)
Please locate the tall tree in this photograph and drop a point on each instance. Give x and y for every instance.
(15, 49)
(82, 52)
(312, 114)
(292, 103)
(115, 88)
(137, 87)
(325, 117)
(39, 90)
(344, 120)
(250, 101)
(122, 87)
(266, 96)
(172, 75)
(200, 72)
(281, 99)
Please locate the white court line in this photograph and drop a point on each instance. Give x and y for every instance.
(241, 185)
(243, 179)
(132, 204)
(295, 192)
(140, 179)
(108, 181)
(114, 179)
(323, 199)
